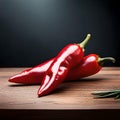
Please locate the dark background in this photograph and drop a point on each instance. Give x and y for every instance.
(32, 31)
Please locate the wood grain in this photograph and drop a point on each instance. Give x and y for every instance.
(69, 95)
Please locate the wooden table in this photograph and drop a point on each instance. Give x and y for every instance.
(71, 100)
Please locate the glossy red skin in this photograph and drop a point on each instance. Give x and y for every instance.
(32, 75)
(87, 67)
(69, 57)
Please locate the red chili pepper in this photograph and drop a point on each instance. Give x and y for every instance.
(69, 57)
(35, 75)
(90, 65)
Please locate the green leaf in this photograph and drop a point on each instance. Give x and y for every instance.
(107, 94)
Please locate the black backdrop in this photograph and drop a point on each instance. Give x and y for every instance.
(32, 31)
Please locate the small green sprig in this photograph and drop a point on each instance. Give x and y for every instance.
(107, 94)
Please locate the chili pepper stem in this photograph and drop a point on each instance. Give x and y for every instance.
(101, 61)
(85, 41)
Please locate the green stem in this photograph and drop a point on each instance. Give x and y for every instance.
(85, 41)
(101, 61)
